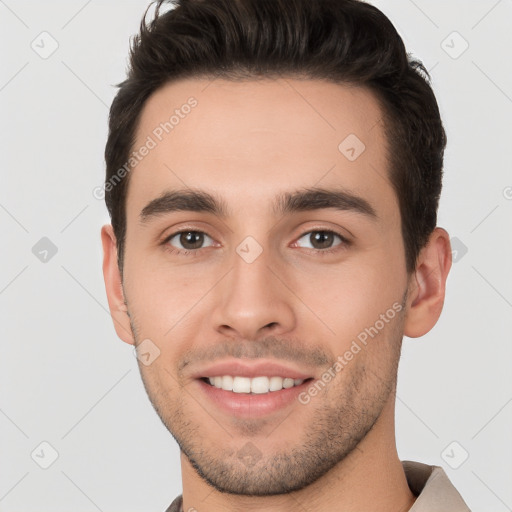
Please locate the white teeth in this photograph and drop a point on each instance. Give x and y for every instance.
(259, 385)
(287, 383)
(227, 383)
(256, 385)
(241, 385)
(276, 383)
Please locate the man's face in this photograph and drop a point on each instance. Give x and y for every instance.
(276, 287)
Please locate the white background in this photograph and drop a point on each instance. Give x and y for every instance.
(64, 376)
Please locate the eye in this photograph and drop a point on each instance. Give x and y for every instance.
(322, 239)
(185, 241)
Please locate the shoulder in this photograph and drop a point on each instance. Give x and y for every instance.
(176, 505)
(433, 490)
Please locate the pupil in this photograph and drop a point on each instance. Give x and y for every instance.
(322, 238)
(188, 238)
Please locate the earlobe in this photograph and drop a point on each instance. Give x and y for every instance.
(427, 285)
(114, 287)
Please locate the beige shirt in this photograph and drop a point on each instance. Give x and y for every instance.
(434, 491)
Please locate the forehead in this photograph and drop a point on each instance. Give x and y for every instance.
(256, 138)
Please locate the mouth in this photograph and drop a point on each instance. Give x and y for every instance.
(244, 388)
(251, 398)
(255, 386)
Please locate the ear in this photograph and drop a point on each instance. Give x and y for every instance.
(114, 286)
(427, 285)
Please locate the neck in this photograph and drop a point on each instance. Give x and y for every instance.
(371, 474)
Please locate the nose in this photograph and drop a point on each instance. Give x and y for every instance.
(253, 300)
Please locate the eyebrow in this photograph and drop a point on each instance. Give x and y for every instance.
(306, 199)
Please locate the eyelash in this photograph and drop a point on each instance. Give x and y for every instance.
(194, 252)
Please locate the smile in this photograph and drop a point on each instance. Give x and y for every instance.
(255, 385)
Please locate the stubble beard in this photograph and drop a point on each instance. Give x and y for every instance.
(338, 422)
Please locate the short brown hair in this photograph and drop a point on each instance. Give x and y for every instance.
(343, 41)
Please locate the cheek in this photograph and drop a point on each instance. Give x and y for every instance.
(350, 299)
(368, 282)
(164, 298)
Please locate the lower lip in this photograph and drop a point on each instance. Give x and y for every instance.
(251, 405)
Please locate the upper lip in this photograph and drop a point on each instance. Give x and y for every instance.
(260, 368)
